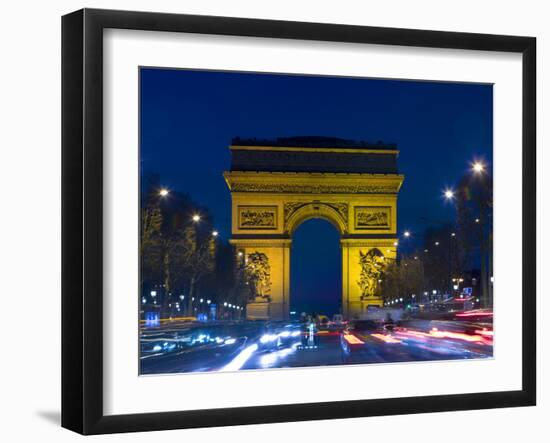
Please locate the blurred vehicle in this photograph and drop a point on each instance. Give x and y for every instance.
(323, 321)
(188, 318)
(158, 346)
(289, 334)
(460, 304)
(389, 324)
(353, 339)
(475, 315)
(380, 314)
(269, 338)
(337, 323)
(278, 334)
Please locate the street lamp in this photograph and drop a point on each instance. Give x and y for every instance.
(478, 167)
(215, 233)
(163, 192)
(449, 194)
(406, 234)
(196, 218)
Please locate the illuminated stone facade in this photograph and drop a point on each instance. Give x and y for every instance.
(277, 186)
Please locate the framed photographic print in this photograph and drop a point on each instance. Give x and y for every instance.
(269, 221)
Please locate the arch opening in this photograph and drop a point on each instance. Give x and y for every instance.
(316, 268)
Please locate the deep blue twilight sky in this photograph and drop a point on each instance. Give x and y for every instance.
(189, 117)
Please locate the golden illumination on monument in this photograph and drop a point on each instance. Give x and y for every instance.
(278, 184)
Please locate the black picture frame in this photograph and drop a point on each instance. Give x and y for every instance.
(82, 216)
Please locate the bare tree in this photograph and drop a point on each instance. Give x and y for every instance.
(475, 224)
(176, 252)
(198, 258)
(150, 242)
(403, 278)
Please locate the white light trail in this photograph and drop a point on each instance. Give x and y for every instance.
(239, 361)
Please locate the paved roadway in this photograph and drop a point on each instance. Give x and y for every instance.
(176, 348)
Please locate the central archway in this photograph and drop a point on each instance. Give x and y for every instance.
(315, 268)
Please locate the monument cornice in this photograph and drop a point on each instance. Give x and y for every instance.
(310, 149)
(369, 242)
(313, 182)
(261, 242)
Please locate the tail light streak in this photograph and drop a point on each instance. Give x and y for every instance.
(353, 340)
(386, 338)
(480, 337)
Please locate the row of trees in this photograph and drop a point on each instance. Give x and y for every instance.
(179, 248)
(474, 205)
(181, 253)
(450, 251)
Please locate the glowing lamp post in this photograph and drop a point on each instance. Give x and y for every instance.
(478, 167)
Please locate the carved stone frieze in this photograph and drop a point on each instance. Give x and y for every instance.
(291, 207)
(313, 189)
(257, 217)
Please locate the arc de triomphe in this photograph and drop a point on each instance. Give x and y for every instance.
(278, 184)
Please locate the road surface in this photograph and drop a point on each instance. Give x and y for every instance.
(182, 347)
